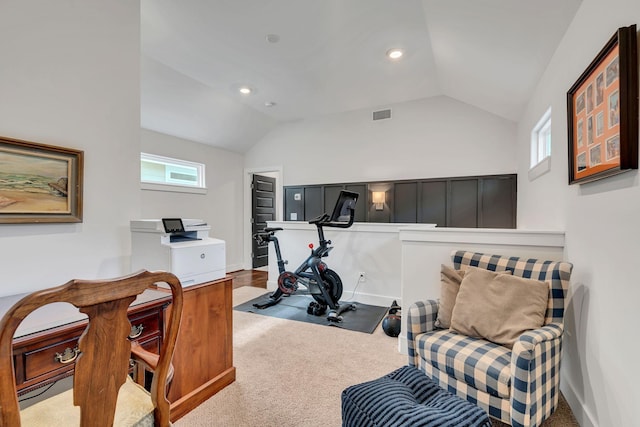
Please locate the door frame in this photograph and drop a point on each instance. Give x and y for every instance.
(273, 171)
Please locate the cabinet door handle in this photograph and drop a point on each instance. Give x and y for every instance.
(136, 331)
(69, 355)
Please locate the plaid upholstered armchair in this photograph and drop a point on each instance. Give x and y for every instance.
(516, 383)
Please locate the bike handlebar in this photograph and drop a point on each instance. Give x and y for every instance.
(272, 229)
(346, 202)
(266, 234)
(322, 221)
(319, 219)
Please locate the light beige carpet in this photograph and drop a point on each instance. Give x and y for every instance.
(292, 373)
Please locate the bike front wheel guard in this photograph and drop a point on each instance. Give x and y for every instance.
(332, 284)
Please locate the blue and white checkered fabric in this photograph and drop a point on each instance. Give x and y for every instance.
(483, 365)
(518, 386)
(407, 397)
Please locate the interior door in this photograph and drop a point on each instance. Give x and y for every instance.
(263, 209)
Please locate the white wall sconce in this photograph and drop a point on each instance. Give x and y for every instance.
(377, 197)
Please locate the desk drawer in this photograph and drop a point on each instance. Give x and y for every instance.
(61, 354)
(145, 325)
(52, 356)
(43, 361)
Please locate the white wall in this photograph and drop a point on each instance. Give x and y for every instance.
(70, 77)
(374, 249)
(351, 147)
(221, 205)
(602, 235)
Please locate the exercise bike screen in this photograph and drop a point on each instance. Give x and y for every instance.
(345, 204)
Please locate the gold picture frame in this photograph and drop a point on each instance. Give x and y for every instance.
(39, 183)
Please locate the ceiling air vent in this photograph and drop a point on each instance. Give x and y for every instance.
(382, 114)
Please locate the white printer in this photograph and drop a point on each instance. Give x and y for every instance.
(181, 246)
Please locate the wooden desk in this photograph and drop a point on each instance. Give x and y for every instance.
(44, 346)
(203, 359)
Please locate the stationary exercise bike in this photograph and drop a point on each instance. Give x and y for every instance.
(324, 284)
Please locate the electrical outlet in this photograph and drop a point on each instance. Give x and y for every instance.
(362, 277)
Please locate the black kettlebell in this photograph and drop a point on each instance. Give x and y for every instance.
(316, 309)
(391, 323)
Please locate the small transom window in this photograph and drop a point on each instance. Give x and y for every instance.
(541, 146)
(169, 174)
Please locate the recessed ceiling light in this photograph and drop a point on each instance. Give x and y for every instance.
(395, 53)
(273, 38)
(269, 104)
(245, 90)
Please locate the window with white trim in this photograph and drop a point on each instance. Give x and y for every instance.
(541, 146)
(169, 174)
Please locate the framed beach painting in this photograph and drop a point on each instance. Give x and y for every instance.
(39, 183)
(602, 109)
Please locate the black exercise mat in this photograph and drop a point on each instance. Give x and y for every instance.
(365, 318)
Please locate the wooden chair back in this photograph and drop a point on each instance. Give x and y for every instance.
(105, 350)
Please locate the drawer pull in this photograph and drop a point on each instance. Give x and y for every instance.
(136, 331)
(67, 356)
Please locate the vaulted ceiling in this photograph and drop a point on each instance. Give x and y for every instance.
(316, 57)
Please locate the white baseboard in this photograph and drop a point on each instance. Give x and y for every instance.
(402, 343)
(235, 267)
(580, 411)
(370, 299)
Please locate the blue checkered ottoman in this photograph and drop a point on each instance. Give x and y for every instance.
(407, 397)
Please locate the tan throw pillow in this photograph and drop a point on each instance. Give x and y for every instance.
(498, 307)
(449, 284)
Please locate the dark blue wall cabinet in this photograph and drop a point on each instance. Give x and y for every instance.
(487, 201)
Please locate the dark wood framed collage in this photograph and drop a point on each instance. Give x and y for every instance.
(602, 108)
